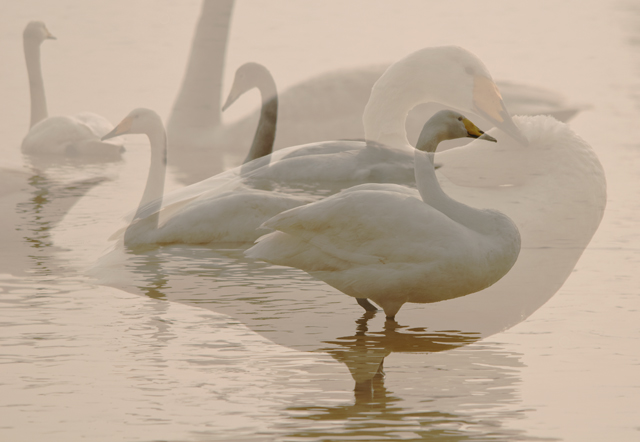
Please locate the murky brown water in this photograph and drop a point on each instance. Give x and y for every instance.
(197, 343)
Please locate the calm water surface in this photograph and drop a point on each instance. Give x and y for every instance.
(196, 343)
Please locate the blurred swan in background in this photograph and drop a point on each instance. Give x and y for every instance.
(378, 241)
(449, 75)
(326, 107)
(60, 135)
(249, 76)
(231, 216)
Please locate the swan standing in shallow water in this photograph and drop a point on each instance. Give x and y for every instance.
(61, 135)
(232, 216)
(379, 242)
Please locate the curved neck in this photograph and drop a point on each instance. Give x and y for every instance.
(433, 195)
(200, 97)
(151, 201)
(385, 114)
(266, 132)
(36, 84)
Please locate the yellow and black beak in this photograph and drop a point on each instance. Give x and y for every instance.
(121, 129)
(474, 132)
(487, 102)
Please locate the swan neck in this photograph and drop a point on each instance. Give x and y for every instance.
(36, 83)
(199, 101)
(433, 195)
(266, 131)
(426, 179)
(385, 115)
(151, 201)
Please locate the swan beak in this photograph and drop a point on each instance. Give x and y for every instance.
(487, 137)
(474, 132)
(487, 102)
(233, 96)
(122, 128)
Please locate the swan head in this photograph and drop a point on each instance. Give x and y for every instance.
(139, 121)
(245, 79)
(449, 75)
(448, 125)
(37, 32)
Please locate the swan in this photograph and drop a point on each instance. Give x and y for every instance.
(214, 216)
(328, 106)
(61, 135)
(380, 242)
(254, 75)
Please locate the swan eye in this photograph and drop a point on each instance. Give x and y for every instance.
(459, 118)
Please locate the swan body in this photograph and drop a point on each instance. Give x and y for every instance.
(59, 135)
(217, 216)
(322, 161)
(381, 242)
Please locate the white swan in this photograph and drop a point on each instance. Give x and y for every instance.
(61, 135)
(253, 75)
(380, 242)
(216, 216)
(326, 107)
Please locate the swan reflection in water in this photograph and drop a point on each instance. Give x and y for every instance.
(454, 386)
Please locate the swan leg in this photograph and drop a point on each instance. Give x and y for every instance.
(390, 310)
(365, 304)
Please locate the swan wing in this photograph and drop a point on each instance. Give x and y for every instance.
(234, 216)
(371, 224)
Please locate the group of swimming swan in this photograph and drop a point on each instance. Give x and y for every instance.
(200, 213)
(59, 135)
(403, 236)
(378, 241)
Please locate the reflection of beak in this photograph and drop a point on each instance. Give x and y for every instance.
(233, 96)
(120, 129)
(487, 102)
(474, 132)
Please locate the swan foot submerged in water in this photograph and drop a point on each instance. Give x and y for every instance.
(365, 304)
(77, 135)
(380, 242)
